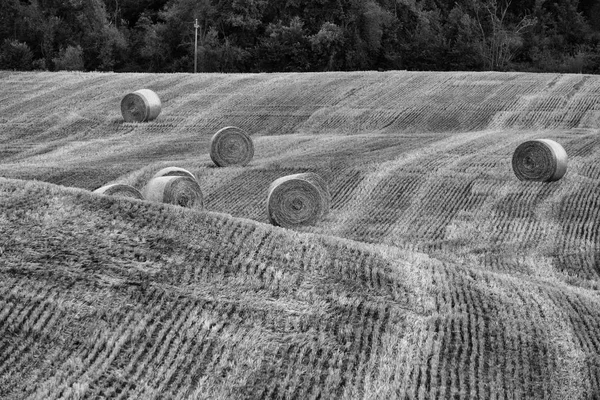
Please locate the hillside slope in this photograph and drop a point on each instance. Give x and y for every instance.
(129, 299)
(417, 160)
(437, 274)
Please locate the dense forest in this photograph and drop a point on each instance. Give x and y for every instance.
(300, 35)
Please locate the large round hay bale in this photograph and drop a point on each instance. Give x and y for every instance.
(297, 200)
(174, 171)
(541, 160)
(231, 146)
(178, 190)
(140, 106)
(120, 190)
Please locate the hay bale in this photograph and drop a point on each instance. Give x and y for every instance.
(174, 171)
(231, 146)
(120, 190)
(297, 200)
(178, 190)
(541, 160)
(140, 106)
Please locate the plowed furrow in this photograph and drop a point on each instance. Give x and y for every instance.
(349, 333)
(444, 327)
(182, 381)
(133, 364)
(343, 187)
(175, 360)
(465, 382)
(207, 352)
(73, 359)
(15, 322)
(94, 357)
(277, 387)
(10, 298)
(298, 374)
(265, 378)
(53, 355)
(435, 329)
(151, 371)
(581, 146)
(101, 362)
(477, 361)
(393, 197)
(313, 363)
(588, 320)
(366, 349)
(27, 335)
(446, 370)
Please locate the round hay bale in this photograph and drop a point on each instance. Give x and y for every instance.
(120, 190)
(541, 160)
(174, 171)
(231, 146)
(140, 106)
(297, 200)
(178, 190)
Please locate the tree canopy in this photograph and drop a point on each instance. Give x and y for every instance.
(300, 35)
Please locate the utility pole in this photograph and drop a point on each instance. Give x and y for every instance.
(196, 26)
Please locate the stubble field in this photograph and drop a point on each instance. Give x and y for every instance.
(436, 274)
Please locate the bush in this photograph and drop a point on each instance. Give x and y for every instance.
(69, 59)
(15, 55)
(39, 65)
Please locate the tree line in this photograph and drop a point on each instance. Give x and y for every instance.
(300, 35)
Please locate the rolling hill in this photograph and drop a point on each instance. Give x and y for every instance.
(437, 274)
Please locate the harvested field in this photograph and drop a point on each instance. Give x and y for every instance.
(435, 274)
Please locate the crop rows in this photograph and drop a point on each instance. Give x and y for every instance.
(581, 146)
(344, 187)
(392, 199)
(209, 306)
(390, 101)
(268, 105)
(126, 299)
(579, 217)
(128, 349)
(486, 338)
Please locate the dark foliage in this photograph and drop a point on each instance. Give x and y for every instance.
(301, 35)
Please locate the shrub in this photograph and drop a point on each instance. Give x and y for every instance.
(39, 64)
(69, 59)
(15, 55)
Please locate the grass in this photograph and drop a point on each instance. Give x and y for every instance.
(437, 274)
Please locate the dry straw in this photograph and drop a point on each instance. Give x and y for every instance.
(120, 190)
(174, 171)
(178, 190)
(140, 106)
(541, 160)
(231, 146)
(297, 200)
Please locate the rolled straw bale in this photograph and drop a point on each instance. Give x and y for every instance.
(179, 190)
(541, 160)
(174, 171)
(231, 146)
(140, 106)
(297, 200)
(120, 190)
